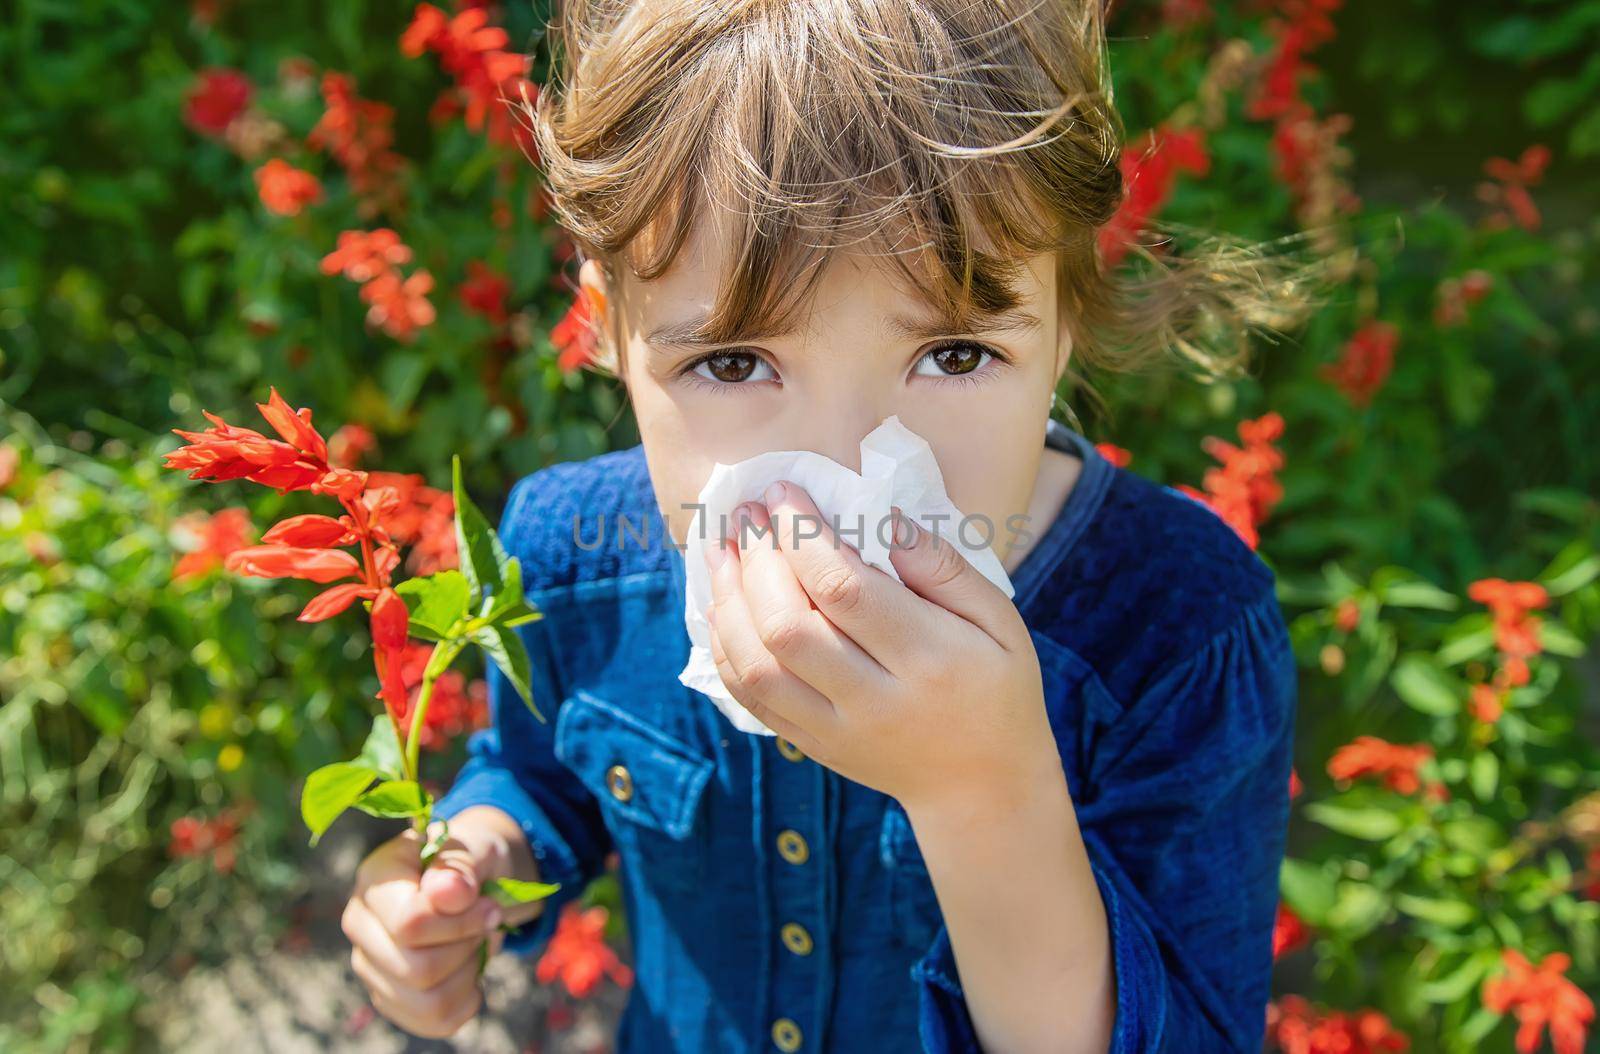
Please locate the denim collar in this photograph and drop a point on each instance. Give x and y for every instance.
(1080, 506)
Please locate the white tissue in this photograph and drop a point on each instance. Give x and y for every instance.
(897, 468)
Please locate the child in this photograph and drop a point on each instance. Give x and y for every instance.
(1045, 823)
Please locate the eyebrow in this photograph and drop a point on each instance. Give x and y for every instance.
(689, 333)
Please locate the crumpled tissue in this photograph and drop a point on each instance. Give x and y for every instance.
(897, 468)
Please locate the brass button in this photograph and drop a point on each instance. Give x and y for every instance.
(620, 780)
(786, 1034)
(792, 847)
(796, 938)
(789, 750)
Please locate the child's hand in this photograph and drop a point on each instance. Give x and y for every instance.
(415, 935)
(928, 690)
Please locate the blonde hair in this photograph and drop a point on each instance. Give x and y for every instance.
(961, 136)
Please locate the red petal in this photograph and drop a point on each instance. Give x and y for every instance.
(278, 561)
(333, 601)
(311, 531)
(389, 620)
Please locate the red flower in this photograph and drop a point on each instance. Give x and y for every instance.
(1367, 360)
(1295, 1027)
(473, 53)
(215, 536)
(1150, 169)
(215, 99)
(194, 836)
(1243, 489)
(454, 707)
(1296, 788)
(423, 518)
(1393, 763)
(1591, 876)
(1516, 628)
(364, 255)
(399, 306)
(296, 462)
(306, 546)
(285, 189)
(1508, 185)
(1289, 932)
(578, 953)
(1488, 703)
(485, 291)
(1455, 295)
(1541, 996)
(349, 444)
(10, 458)
(358, 133)
(1114, 454)
(574, 335)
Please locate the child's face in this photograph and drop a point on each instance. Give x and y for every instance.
(980, 399)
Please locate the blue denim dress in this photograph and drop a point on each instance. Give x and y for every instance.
(775, 905)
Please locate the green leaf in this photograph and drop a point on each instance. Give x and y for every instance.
(1484, 775)
(394, 799)
(329, 791)
(481, 555)
(509, 892)
(1397, 587)
(1458, 983)
(1469, 638)
(1419, 681)
(381, 751)
(1441, 911)
(1371, 824)
(1572, 569)
(1358, 910)
(1308, 889)
(510, 593)
(505, 647)
(1557, 639)
(436, 602)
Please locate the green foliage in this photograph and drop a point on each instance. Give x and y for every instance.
(144, 279)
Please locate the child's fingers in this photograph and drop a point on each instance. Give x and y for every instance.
(419, 967)
(935, 570)
(451, 882)
(882, 617)
(756, 679)
(432, 1012)
(773, 720)
(799, 635)
(413, 920)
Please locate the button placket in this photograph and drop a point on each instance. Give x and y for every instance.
(794, 797)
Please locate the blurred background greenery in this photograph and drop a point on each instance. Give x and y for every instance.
(173, 176)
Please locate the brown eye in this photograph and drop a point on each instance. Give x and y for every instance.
(728, 367)
(953, 360)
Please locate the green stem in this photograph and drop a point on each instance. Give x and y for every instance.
(439, 660)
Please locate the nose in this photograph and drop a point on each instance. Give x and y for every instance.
(835, 429)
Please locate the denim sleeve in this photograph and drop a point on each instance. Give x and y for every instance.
(1185, 822)
(512, 765)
